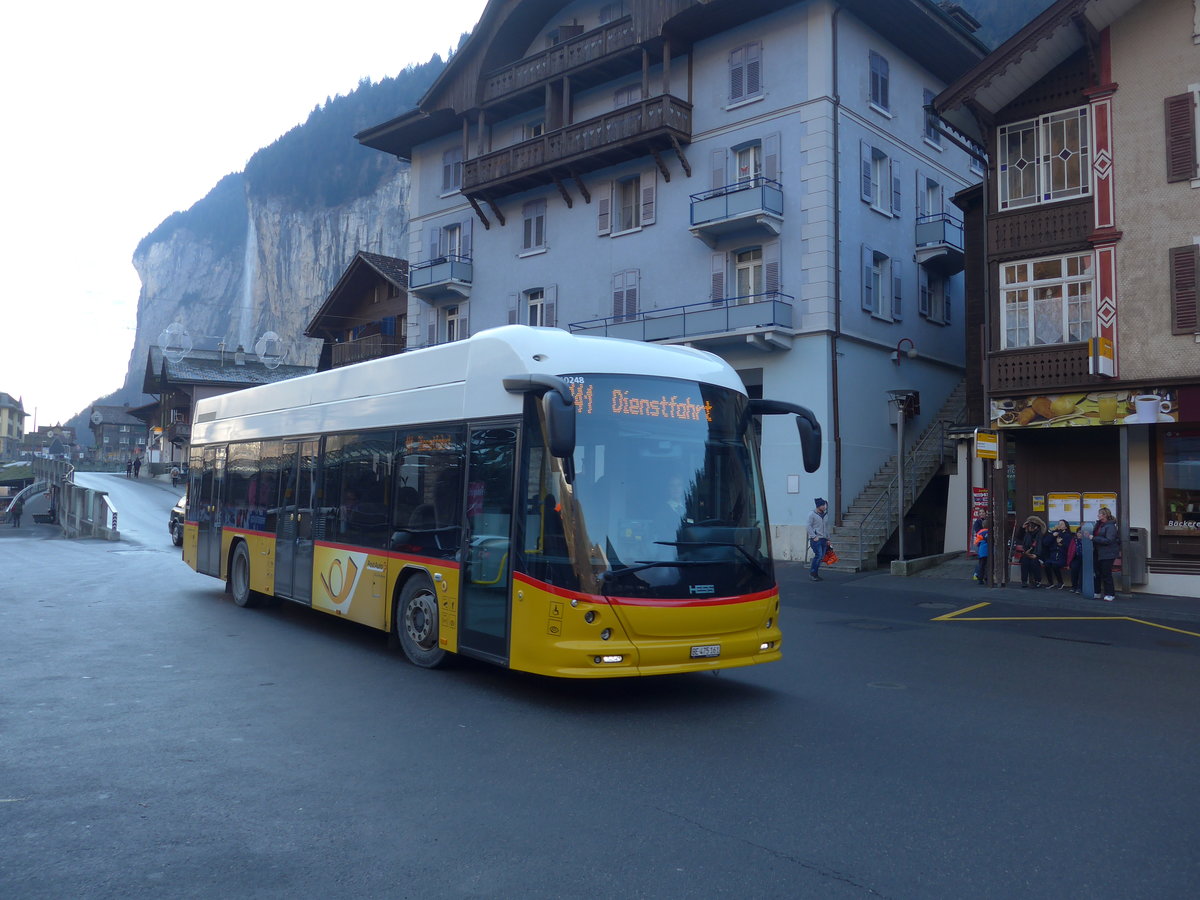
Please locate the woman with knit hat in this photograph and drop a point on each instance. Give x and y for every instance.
(818, 535)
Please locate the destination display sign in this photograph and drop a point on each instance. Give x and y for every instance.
(616, 400)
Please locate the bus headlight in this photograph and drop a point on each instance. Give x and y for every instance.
(770, 622)
(766, 645)
(606, 634)
(608, 659)
(589, 616)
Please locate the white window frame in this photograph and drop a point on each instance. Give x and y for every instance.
(533, 225)
(748, 163)
(453, 320)
(932, 135)
(749, 274)
(1045, 132)
(452, 169)
(535, 307)
(627, 204)
(879, 88)
(450, 241)
(1020, 303)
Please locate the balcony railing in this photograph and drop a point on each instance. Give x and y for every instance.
(755, 312)
(440, 275)
(372, 346)
(1037, 369)
(561, 59)
(179, 432)
(632, 130)
(752, 205)
(940, 242)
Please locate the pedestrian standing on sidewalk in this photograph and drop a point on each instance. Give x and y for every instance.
(1107, 541)
(1057, 542)
(1033, 533)
(137, 466)
(818, 535)
(1075, 560)
(129, 468)
(981, 549)
(14, 512)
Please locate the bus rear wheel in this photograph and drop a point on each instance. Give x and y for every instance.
(416, 624)
(239, 577)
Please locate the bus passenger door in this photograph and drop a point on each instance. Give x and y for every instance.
(294, 535)
(208, 507)
(483, 615)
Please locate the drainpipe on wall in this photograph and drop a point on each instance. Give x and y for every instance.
(837, 279)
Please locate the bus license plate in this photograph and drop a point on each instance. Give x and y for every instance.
(705, 651)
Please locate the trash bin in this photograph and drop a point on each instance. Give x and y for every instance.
(1135, 552)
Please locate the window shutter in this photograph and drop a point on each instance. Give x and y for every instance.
(467, 228)
(550, 317)
(632, 279)
(717, 291)
(737, 74)
(771, 156)
(1185, 267)
(922, 291)
(464, 328)
(865, 158)
(431, 337)
(604, 209)
(894, 168)
(949, 303)
(513, 316)
(753, 69)
(921, 206)
(1181, 137)
(433, 236)
(868, 267)
(897, 291)
(719, 166)
(649, 190)
(618, 295)
(771, 274)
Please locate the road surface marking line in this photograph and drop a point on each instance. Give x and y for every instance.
(959, 612)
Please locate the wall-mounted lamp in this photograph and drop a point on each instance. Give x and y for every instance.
(911, 352)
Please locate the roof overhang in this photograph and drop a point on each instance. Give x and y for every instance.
(399, 135)
(1055, 35)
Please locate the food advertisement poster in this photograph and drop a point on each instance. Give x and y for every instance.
(1095, 408)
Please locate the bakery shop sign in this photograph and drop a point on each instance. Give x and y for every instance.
(1128, 407)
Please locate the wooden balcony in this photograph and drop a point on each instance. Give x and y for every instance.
(373, 346)
(179, 432)
(596, 56)
(1040, 230)
(1035, 370)
(626, 133)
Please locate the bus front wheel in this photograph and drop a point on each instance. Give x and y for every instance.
(416, 624)
(239, 577)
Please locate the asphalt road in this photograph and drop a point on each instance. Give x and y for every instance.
(158, 741)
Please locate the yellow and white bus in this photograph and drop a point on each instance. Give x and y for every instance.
(564, 505)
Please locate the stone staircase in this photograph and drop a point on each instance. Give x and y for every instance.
(870, 520)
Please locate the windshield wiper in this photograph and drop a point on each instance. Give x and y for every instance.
(746, 553)
(610, 574)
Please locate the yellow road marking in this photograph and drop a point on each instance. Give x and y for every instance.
(960, 615)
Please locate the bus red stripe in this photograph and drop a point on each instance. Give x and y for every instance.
(684, 602)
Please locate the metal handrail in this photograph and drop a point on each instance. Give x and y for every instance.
(916, 464)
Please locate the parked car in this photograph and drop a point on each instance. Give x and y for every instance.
(175, 522)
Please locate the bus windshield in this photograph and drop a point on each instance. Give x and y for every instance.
(666, 501)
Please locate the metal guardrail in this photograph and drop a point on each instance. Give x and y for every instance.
(81, 511)
(919, 464)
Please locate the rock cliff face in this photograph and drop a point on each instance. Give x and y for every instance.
(273, 279)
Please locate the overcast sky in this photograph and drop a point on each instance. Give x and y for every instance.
(121, 113)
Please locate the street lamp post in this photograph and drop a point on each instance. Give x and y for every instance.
(901, 398)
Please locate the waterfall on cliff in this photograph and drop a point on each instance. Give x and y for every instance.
(245, 334)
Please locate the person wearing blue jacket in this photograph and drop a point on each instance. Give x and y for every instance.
(982, 536)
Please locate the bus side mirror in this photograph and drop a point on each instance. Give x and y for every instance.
(560, 424)
(806, 424)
